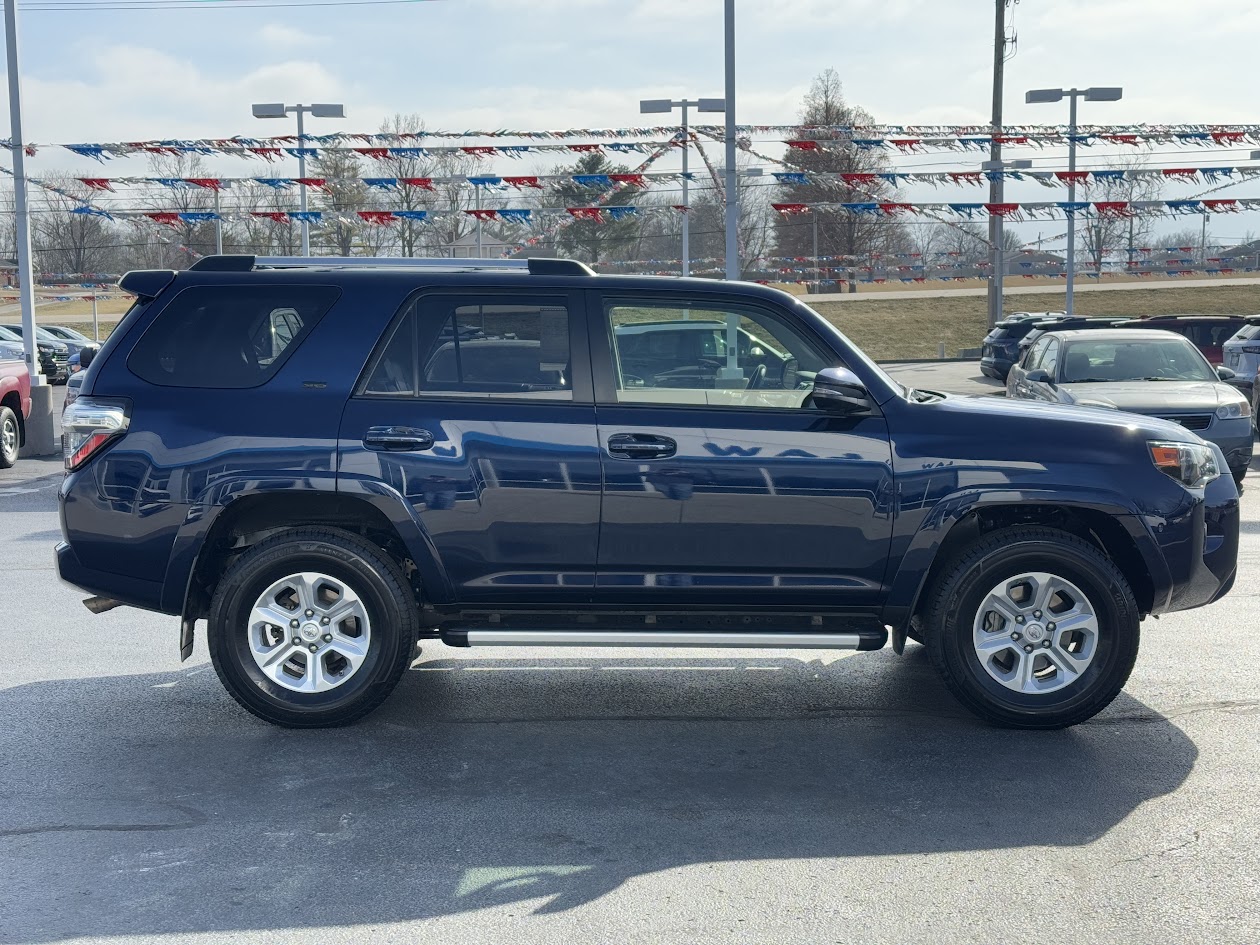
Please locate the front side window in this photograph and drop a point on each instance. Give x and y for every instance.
(707, 355)
(228, 337)
(1050, 360)
(463, 347)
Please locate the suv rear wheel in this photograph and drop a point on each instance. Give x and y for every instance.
(1033, 628)
(312, 628)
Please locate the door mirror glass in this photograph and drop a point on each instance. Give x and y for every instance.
(838, 390)
(1225, 373)
(1038, 376)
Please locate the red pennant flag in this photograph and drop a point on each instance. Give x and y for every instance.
(1002, 209)
(1222, 206)
(316, 182)
(586, 213)
(892, 209)
(1010, 139)
(209, 183)
(905, 144)
(1114, 208)
(275, 216)
(519, 182)
(377, 154)
(857, 179)
(423, 182)
(480, 150)
(96, 183)
(963, 177)
(790, 209)
(1182, 172)
(585, 148)
(1121, 139)
(805, 145)
(376, 217)
(1073, 177)
(633, 180)
(170, 219)
(157, 149)
(269, 154)
(1229, 137)
(483, 214)
(681, 208)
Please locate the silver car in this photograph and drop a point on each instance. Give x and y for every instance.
(1241, 354)
(1146, 371)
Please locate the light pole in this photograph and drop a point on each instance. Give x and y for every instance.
(660, 106)
(25, 271)
(1040, 96)
(732, 180)
(280, 110)
(997, 255)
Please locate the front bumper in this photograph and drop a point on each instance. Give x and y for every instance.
(1200, 547)
(1236, 440)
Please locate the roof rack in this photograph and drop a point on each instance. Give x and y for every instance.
(547, 267)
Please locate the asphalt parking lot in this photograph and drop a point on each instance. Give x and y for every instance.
(531, 796)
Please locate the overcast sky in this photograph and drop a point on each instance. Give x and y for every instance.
(585, 63)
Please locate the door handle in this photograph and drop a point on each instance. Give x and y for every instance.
(397, 439)
(641, 446)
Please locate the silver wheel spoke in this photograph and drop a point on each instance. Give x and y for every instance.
(336, 656)
(1067, 640)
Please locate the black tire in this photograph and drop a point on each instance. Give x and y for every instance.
(371, 574)
(10, 437)
(956, 599)
(1239, 475)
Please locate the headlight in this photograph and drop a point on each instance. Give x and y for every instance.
(1233, 411)
(1191, 464)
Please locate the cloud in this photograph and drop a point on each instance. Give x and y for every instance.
(289, 37)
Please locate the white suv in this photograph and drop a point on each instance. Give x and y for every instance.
(1241, 354)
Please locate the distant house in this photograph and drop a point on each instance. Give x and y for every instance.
(491, 247)
(8, 273)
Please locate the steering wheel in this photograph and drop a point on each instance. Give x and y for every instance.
(757, 379)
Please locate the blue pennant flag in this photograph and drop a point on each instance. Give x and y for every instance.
(94, 151)
(309, 216)
(175, 182)
(1184, 206)
(414, 214)
(792, 178)
(515, 216)
(1108, 175)
(978, 144)
(408, 152)
(868, 144)
(514, 150)
(861, 207)
(966, 209)
(382, 183)
(276, 183)
(621, 213)
(1216, 173)
(1072, 207)
(593, 180)
(486, 181)
(199, 216)
(85, 210)
(893, 179)
(1192, 136)
(302, 152)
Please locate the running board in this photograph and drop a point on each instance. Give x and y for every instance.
(868, 640)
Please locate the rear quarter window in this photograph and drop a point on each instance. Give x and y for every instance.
(228, 337)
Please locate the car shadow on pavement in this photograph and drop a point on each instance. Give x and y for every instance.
(148, 805)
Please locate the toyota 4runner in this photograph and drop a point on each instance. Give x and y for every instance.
(328, 460)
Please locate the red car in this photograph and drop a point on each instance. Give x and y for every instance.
(1206, 332)
(15, 404)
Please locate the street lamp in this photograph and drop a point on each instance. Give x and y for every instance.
(1043, 96)
(662, 106)
(280, 110)
(997, 252)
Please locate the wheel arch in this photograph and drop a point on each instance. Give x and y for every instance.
(1113, 528)
(13, 400)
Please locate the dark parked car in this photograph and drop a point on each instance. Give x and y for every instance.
(54, 357)
(43, 334)
(453, 451)
(1000, 349)
(65, 333)
(1074, 323)
(1151, 372)
(1208, 333)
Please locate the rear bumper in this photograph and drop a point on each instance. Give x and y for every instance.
(997, 367)
(146, 595)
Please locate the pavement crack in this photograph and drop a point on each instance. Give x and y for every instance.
(1189, 841)
(195, 818)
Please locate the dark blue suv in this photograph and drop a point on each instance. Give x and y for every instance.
(329, 460)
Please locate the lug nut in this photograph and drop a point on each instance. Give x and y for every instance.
(313, 648)
(1019, 619)
(328, 638)
(1028, 647)
(311, 613)
(324, 621)
(1046, 645)
(1017, 635)
(297, 641)
(1036, 613)
(1050, 627)
(293, 624)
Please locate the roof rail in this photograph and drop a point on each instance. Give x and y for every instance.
(546, 267)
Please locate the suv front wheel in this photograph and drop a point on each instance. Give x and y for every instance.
(1033, 627)
(312, 628)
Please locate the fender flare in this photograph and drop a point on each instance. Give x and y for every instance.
(906, 586)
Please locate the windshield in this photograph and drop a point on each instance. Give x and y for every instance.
(1171, 359)
(6, 335)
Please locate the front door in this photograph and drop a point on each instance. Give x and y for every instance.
(722, 485)
(477, 409)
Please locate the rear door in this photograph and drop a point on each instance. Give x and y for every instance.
(477, 409)
(730, 490)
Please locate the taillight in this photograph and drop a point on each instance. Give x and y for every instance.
(86, 426)
(1252, 349)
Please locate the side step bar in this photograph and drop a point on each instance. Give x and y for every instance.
(867, 640)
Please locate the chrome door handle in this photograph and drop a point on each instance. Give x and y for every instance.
(397, 439)
(641, 446)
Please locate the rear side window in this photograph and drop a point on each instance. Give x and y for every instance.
(460, 346)
(228, 337)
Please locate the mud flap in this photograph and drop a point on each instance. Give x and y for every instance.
(186, 627)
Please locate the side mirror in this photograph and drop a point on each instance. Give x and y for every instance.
(838, 390)
(1225, 373)
(86, 355)
(1038, 376)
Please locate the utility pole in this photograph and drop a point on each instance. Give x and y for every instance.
(996, 181)
(732, 179)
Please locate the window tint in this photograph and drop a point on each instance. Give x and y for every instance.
(710, 356)
(450, 345)
(228, 336)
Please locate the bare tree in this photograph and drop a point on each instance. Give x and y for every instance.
(1112, 233)
(67, 241)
